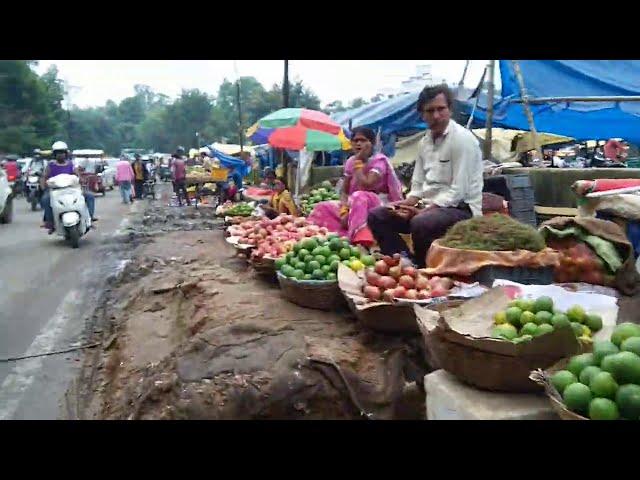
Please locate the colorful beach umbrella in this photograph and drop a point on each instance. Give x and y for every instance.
(300, 117)
(259, 136)
(298, 129)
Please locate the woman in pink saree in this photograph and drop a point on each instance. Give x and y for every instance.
(369, 182)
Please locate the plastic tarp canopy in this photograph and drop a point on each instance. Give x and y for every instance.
(228, 161)
(563, 78)
(395, 115)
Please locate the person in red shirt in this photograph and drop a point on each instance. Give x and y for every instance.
(179, 176)
(13, 172)
(615, 149)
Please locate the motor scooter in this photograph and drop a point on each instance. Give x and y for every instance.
(70, 213)
(32, 191)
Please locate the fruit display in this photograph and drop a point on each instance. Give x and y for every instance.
(604, 384)
(317, 258)
(388, 281)
(241, 209)
(493, 233)
(525, 319)
(580, 263)
(317, 195)
(275, 237)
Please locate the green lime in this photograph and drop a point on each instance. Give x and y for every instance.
(504, 330)
(332, 258)
(335, 244)
(529, 328)
(580, 362)
(527, 317)
(303, 252)
(309, 243)
(318, 274)
(576, 314)
(513, 316)
(313, 265)
(326, 269)
(296, 248)
(321, 259)
(368, 260)
(298, 274)
(279, 263)
(594, 322)
(307, 276)
(331, 276)
(345, 253)
(355, 252)
(623, 331)
(628, 401)
(603, 409)
(543, 329)
(577, 398)
(631, 344)
(543, 317)
(602, 349)
(308, 258)
(588, 373)
(543, 304)
(603, 385)
(578, 328)
(325, 252)
(334, 265)
(560, 320)
(562, 379)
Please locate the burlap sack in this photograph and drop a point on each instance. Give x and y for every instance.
(627, 277)
(443, 260)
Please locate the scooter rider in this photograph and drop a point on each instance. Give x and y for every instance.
(61, 164)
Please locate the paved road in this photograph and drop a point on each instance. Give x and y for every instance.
(47, 290)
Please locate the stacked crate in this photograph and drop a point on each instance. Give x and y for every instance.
(523, 201)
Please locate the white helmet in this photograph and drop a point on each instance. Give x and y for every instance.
(59, 146)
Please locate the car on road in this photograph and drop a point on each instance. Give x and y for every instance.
(6, 198)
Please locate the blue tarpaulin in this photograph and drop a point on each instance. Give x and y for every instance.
(396, 115)
(563, 78)
(228, 161)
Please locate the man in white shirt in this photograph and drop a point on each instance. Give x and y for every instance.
(446, 186)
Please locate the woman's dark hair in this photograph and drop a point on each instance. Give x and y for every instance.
(368, 133)
(431, 92)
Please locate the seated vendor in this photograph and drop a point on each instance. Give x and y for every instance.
(269, 179)
(281, 201)
(446, 186)
(369, 182)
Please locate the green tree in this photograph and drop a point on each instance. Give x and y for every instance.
(30, 109)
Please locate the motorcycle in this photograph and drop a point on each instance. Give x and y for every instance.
(149, 189)
(33, 191)
(70, 214)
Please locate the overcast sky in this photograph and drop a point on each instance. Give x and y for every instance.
(93, 82)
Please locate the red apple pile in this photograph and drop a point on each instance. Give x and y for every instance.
(274, 238)
(389, 280)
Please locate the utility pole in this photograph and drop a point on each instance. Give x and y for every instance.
(527, 108)
(285, 85)
(464, 74)
(486, 154)
(238, 101)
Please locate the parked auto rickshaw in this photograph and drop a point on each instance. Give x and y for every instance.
(93, 163)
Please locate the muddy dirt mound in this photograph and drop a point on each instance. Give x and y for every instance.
(200, 335)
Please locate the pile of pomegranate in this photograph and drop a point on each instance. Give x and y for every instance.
(274, 238)
(388, 280)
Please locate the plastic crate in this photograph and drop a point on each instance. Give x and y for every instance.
(520, 180)
(525, 275)
(523, 194)
(633, 163)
